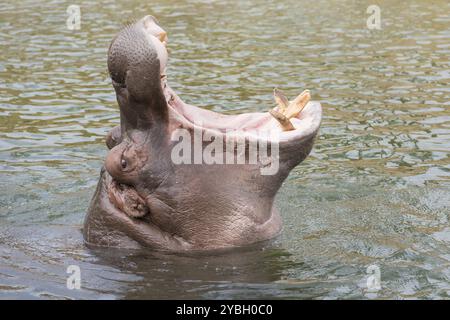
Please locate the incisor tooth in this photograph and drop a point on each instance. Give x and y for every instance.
(287, 110)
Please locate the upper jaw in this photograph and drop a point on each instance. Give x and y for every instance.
(158, 37)
(304, 124)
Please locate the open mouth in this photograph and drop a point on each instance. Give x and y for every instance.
(301, 125)
(301, 116)
(290, 123)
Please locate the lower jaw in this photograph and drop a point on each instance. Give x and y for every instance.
(118, 194)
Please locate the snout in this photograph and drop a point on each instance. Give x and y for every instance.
(152, 27)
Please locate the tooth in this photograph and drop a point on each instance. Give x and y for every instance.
(162, 36)
(280, 99)
(287, 110)
(296, 106)
(285, 123)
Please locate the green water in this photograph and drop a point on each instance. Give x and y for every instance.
(374, 191)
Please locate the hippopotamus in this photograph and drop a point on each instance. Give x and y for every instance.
(159, 189)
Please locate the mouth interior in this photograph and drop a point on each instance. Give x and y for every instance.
(255, 123)
(252, 124)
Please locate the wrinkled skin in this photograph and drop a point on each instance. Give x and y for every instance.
(144, 199)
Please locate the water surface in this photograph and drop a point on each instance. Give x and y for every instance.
(374, 191)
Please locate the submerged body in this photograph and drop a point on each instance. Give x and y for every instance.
(147, 197)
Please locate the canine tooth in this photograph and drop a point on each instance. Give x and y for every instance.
(287, 110)
(296, 106)
(280, 99)
(284, 122)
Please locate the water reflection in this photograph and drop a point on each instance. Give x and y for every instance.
(198, 275)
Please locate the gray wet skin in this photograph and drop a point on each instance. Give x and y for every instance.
(144, 199)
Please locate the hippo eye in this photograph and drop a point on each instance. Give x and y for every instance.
(123, 163)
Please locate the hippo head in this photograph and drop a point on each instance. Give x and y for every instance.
(178, 177)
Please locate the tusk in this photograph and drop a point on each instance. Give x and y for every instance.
(284, 122)
(287, 110)
(280, 99)
(296, 106)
